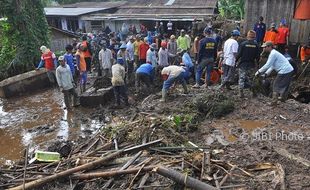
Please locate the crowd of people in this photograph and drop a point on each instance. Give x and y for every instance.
(174, 58)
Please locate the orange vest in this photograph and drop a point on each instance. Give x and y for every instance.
(87, 52)
(82, 66)
(304, 52)
(271, 36)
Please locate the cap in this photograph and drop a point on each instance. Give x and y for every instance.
(273, 25)
(153, 45)
(235, 33)
(182, 30)
(172, 37)
(43, 48)
(61, 58)
(131, 37)
(268, 43)
(145, 39)
(123, 46)
(207, 30)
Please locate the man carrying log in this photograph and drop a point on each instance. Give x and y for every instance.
(66, 83)
(276, 61)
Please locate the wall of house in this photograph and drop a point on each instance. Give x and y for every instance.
(59, 41)
(274, 11)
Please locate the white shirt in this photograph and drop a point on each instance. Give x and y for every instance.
(130, 51)
(151, 57)
(105, 58)
(163, 57)
(118, 75)
(230, 47)
(172, 71)
(276, 61)
(169, 25)
(64, 77)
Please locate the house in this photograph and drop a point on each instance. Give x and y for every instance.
(68, 17)
(296, 13)
(136, 12)
(61, 38)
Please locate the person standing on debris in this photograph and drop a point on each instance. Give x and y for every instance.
(130, 50)
(122, 53)
(106, 60)
(87, 53)
(272, 34)
(142, 51)
(163, 56)
(187, 62)
(69, 60)
(118, 82)
(172, 47)
(144, 74)
(283, 35)
(277, 62)
(66, 83)
(260, 30)
(136, 45)
(206, 57)
(182, 41)
(151, 55)
(172, 74)
(49, 61)
(248, 53)
(81, 65)
(230, 52)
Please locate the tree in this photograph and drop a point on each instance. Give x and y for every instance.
(232, 9)
(25, 30)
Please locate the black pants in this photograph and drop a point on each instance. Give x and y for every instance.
(68, 94)
(120, 92)
(281, 48)
(143, 78)
(88, 63)
(141, 61)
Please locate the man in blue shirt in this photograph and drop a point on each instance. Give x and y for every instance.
(260, 29)
(277, 62)
(206, 56)
(144, 74)
(187, 62)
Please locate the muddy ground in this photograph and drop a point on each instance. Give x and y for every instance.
(253, 133)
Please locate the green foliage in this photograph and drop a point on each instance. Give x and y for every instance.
(25, 30)
(232, 9)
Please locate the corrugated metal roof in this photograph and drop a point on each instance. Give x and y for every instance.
(53, 11)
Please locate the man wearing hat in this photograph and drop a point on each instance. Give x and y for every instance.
(277, 62)
(163, 55)
(172, 49)
(118, 82)
(49, 61)
(122, 53)
(183, 41)
(151, 55)
(272, 34)
(248, 54)
(66, 83)
(230, 53)
(206, 57)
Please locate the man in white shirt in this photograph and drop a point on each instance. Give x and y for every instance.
(106, 59)
(151, 55)
(229, 63)
(172, 74)
(163, 55)
(66, 83)
(131, 58)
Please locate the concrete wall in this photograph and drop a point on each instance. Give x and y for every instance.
(24, 83)
(274, 11)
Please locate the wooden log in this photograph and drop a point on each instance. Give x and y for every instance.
(108, 174)
(85, 167)
(183, 179)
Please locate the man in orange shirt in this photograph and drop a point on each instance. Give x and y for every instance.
(142, 52)
(283, 35)
(305, 53)
(87, 53)
(271, 34)
(81, 64)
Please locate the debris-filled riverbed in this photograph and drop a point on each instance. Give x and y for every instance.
(208, 134)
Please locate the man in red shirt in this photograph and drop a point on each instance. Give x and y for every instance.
(142, 51)
(49, 61)
(282, 38)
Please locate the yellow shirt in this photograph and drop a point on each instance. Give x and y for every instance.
(136, 45)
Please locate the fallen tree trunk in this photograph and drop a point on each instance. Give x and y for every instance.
(85, 167)
(110, 173)
(183, 179)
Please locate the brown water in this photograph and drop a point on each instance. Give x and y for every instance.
(38, 118)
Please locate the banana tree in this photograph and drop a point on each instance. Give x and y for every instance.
(232, 9)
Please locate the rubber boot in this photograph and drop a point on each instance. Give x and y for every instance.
(241, 94)
(275, 96)
(164, 95)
